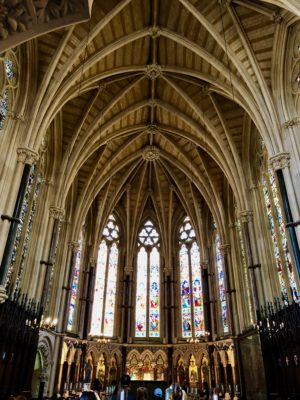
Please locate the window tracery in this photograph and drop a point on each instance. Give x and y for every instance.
(8, 84)
(106, 281)
(192, 312)
(147, 310)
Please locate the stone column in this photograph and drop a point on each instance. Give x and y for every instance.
(89, 296)
(280, 164)
(246, 218)
(56, 215)
(26, 157)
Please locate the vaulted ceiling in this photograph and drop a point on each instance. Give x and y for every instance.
(154, 103)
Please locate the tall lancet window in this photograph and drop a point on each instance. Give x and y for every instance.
(190, 282)
(147, 309)
(221, 284)
(75, 282)
(282, 254)
(106, 281)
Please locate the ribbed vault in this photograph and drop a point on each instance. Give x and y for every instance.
(184, 82)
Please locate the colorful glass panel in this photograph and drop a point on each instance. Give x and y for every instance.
(111, 291)
(96, 325)
(283, 237)
(197, 290)
(3, 109)
(185, 291)
(274, 238)
(141, 294)
(9, 68)
(74, 289)
(245, 269)
(24, 210)
(154, 294)
(28, 228)
(222, 290)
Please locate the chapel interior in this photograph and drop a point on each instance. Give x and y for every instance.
(150, 197)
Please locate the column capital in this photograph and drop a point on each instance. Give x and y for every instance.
(225, 248)
(74, 246)
(280, 161)
(246, 216)
(204, 264)
(93, 262)
(27, 155)
(56, 212)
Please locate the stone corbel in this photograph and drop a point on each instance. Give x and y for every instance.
(225, 248)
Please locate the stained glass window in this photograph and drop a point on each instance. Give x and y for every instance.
(20, 229)
(3, 108)
(190, 282)
(147, 310)
(245, 269)
(279, 238)
(8, 87)
(75, 281)
(106, 281)
(221, 284)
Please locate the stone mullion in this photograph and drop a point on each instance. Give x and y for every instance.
(218, 308)
(117, 329)
(147, 294)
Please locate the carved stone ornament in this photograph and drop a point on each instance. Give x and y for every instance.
(27, 156)
(225, 248)
(3, 295)
(153, 71)
(151, 153)
(246, 216)
(74, 246)
(292, 122)
(280, 161)
(93, 262)
(57, 213)
(21, 15)
(154, 32)
(151, 129)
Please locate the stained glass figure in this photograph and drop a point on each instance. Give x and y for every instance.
(221, 284)
(141, 294)
(103, 313)
(147, 310)
(75, 281)
(192, 312)
(154, 294)
(279, 238)
(111, 290)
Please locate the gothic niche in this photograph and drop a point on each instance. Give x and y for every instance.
(146, 366)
